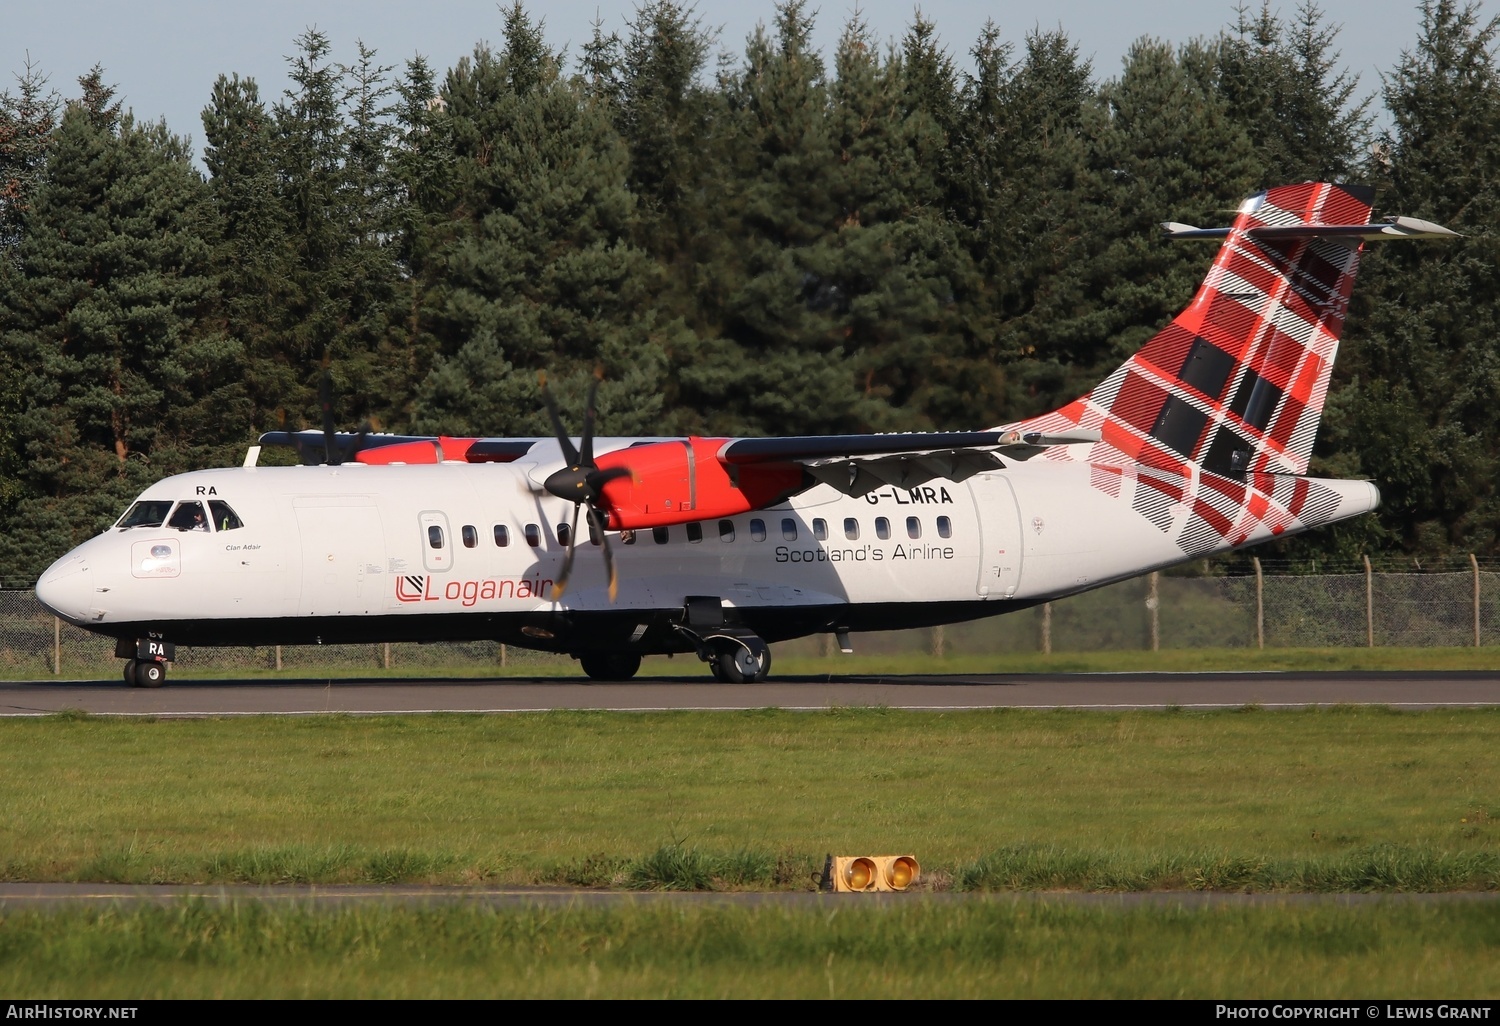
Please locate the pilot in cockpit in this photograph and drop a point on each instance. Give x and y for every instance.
(189, 516)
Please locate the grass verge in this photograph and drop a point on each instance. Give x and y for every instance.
(1319, 800)
(995, 948)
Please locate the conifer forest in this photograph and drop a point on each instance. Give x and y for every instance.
(897, 235)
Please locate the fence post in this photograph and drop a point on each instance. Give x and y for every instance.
(1474, 562)
(1046, 628)
(56, 646)
(385, 656)
(1153, 603)
(1369, 605)
(502, 655)
(938, 642)
(278, 657)
(1260, 605)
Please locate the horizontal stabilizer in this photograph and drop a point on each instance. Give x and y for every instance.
(1391, 228)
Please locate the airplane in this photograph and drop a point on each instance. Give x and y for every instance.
(1197, 444)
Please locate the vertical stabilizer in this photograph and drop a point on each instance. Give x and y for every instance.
(1236, 382)
(1207, 431)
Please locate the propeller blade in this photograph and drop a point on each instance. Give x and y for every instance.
(325, 400)
(597, 479)
(586, 459)
(561, 585)
(356, 443)
(596, 523)
(570, 453)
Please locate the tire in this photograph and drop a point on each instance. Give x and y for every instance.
(130, 665)
(763, 669)
(150, 674)
(737, 665)
(610, 665)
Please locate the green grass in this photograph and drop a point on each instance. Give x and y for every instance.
(1319, 800)
(995, 948)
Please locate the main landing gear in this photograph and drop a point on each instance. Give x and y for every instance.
(145, 661)
(734, 653)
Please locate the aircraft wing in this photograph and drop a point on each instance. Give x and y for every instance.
(858, 464)
(655, 482)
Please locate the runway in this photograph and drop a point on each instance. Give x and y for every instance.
(308, 696)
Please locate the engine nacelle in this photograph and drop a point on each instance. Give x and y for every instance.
(683, 480)
(422, 450)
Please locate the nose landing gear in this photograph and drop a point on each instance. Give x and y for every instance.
(145, 661)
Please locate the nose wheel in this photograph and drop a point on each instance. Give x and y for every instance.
(145, 673)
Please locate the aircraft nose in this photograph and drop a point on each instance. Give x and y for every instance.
(67, 588)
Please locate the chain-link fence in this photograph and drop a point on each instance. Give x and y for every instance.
(1359, 605)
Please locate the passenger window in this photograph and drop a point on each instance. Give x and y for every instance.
(851, 529)
(533, 535)
(502, 535)
(882, 528)
(695, 533)
(434, 536)
(224, 518)
(820, 529)
(563, 534)
(945, 527)
(913, 527)
(757, 530)
(471, 536)
(726, 530)
(659, 534)
(789, 529)
(188, 516)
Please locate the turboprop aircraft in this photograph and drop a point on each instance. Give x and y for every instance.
(1197, 444)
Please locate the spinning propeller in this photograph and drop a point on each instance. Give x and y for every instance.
(582, 483)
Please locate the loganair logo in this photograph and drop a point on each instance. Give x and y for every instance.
(419, 588)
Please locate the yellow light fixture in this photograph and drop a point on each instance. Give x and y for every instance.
(851, 873)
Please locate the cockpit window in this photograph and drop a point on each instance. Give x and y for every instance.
(225, 519)
(145, 514)
(188, 516)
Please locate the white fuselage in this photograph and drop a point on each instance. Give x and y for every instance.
(354, 552)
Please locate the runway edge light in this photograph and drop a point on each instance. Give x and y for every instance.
(851, 873)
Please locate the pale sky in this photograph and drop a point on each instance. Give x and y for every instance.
(163, 56)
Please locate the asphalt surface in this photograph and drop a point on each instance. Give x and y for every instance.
(181, 697)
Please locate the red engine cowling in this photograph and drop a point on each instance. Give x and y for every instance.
(683, 480)
(424, 450)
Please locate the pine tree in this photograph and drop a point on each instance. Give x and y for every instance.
(1283, 87)
(1161, 145)
(253, 254)
(1020, 192)
(27, 121)
(769, 361)
(123, 376)
(540, 272)
(1413, 406)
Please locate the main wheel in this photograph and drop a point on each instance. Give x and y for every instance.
(610, 665)
(130, 665)
(150, 674)
(763, 666)
(738, 665)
